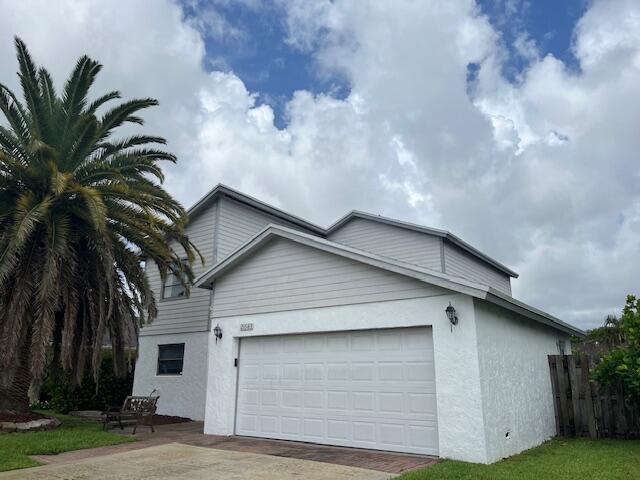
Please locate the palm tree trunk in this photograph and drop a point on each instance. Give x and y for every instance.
(15, 396)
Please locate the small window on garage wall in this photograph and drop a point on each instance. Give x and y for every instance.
(170, 359)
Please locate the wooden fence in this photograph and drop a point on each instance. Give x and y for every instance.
(585, 409)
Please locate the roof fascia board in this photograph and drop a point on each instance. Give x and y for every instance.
(387, 220)
(516, 306)
(195, 208)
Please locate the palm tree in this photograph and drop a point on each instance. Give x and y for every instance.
(602, 340)
(80, 213)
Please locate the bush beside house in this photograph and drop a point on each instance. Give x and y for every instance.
(59, 394)
(614, 350)
(622, 364)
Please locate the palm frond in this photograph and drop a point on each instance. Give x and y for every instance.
(79, 211)
(123, 113)
(16, 116)
(97, 103)
(31, 90)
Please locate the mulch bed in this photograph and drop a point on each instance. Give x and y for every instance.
(168, 419)
(20, 417)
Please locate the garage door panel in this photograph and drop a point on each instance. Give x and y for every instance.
(348, 432)
(364, 432)
(420, 371)
(390, 402)
(422, 404)
(291, 399)
(291, 425)
(338, 401)
(396, 405)
(314, 371)
(338, 429)
(314, 344)
(291, 372)
(370, 389)
(337, 344)
(338, 371)
(419, 339)
(362, 342)
(423, 436)
(248, 423)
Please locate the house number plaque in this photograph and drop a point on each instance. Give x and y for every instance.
(246, 327)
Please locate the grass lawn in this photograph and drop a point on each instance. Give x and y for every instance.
(565, 459)
(74, 434)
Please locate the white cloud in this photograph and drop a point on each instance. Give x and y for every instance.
(542, 174)
(609, 30)
(526, 47)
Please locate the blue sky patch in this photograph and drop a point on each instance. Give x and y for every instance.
(253, 46)
(249, 39)
(546, 25)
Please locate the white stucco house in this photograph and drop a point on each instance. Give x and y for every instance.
(340, 336)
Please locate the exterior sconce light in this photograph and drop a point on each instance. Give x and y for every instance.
(451, 315)
(218, 333)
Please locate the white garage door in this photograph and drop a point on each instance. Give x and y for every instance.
(369, 389)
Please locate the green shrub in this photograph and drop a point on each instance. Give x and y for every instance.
(58, 393)
(622, 364)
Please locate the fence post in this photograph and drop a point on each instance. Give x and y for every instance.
(575, 395)
(608, 414)
(621, 415)
(563, 388)
(553, 371)
(588, 397)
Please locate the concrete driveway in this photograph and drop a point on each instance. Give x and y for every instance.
(179, 461)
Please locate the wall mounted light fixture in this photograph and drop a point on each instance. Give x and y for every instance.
(218, 333)
(451, 315)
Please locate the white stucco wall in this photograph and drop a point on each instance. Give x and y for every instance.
(461, 432)
(182, 395)
(516, 385)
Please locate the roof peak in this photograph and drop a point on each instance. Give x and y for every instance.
(224, 190)
(423, 229)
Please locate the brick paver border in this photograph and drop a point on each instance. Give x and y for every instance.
(191, 434)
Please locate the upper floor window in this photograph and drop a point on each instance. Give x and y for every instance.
(173, 287)
(170, 359)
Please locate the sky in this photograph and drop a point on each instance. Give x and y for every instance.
(514, 124)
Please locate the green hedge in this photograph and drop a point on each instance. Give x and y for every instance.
(622, 364)
(58, 394)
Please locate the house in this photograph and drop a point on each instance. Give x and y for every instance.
(372, 333)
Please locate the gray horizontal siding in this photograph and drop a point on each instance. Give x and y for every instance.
(460, 263)
(285, 275)
(238, 223)
(186, 314)
(390, 241)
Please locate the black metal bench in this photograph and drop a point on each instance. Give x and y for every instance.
(135, 411)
